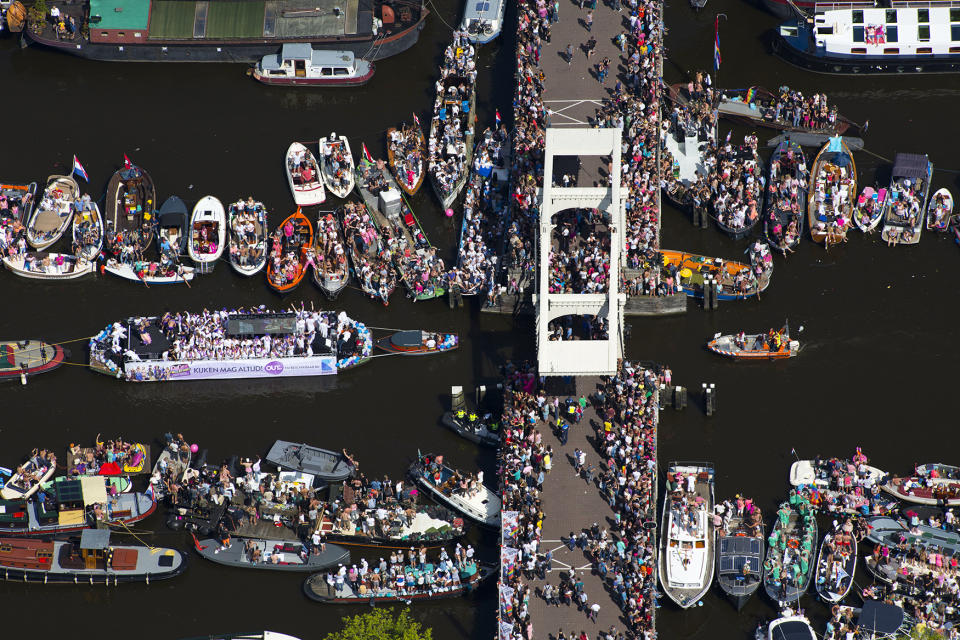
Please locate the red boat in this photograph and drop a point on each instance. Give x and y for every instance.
(28, 358)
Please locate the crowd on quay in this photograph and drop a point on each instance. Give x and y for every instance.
(580, 256)
(406, 150)
(483, 211)
(737, 185)
(248, 221)
(371, 260)
(450, 127)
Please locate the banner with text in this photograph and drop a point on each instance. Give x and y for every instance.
(163, 370)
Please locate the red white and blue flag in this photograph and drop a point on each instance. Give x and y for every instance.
(126, 162)
(498, 117)
(366, 153)
(716, 44)
(79, 170)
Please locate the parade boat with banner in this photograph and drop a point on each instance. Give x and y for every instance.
(225, 31)
(230, 345)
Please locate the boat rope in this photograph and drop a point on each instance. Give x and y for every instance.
(436, 12)
(137, 538)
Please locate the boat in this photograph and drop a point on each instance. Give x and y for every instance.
(29, 476)
(20, 199)
(807, 472)
(878, 619)
(740, 555)
(743, 202)
(300, 65)
(23, 358)
(429, 526)
(87, 559)
(443, 484)
(870, 40)
(369, 255)
(893, 532)
(789, 566)
(815, 140)
(271, 555)
(940, 210)
(149, 273)
(418, 343)
(208, 233)
(757, 107)
(786, 196)
(406, 149)
(773, 345)
(259, 635)
(197, 31)
(336, 165)
(130, 201)
(172, 234)
(248, 236)
(735, 279)
(329, 466)
(87, 230)
(833, 168)
(448, 163)
(290, 246)
(417, 263)
(686, 554)
(475, 430)
(73, 505)
(53, 213)
(303, 176)
(49, 266)
(483, 20)
(467, 579)
(836, 566)
(791, 628)
(107, 459)
(869, 210)
(331, 270)
(906, 202)
(937, 484)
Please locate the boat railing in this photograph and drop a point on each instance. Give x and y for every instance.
(900, 4)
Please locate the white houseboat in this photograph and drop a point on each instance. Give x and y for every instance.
(298, 64)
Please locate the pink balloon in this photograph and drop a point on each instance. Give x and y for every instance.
(449, 213)
(194, 448)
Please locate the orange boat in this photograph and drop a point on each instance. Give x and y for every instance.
(774, 345)
(291, 246)
(736, 280)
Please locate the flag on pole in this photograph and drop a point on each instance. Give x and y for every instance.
(498, 118)
(716, 44)
(750, 93)
(416, 119)
(79, 170)
(366, 153)
(729, 133)
(126, 162)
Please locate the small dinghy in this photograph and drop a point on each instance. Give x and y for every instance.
(405, 151)
(16, 202)
(172, 229)
(461, 492)
(740, 543)
(28, 358)
(906, 203)
(472, 427)
(937, 484)
(29, 476)
(303, 176)
(833, 186)
(418, 343)
(940, 210)
(208, 233)
(248, 236)
(869, 209)
(336, 165)
(130, 201)
(271, 555)
(328, 466)
(45, 265)
(773, 345)
(836, 565)
(290, 246)
(686, 554)
(87, 229)
(149, 272)
(331, 270)
(735, 279)
(401, 585)
(788, 569)
(786, 196)
(53, 213)
(89, 559)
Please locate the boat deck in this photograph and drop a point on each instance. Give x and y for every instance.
(30, 353)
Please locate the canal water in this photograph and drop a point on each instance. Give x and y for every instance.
(879, 323)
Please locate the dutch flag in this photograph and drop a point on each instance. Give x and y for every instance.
(498, 118)
(79, 170)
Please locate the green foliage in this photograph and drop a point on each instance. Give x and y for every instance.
(381, 624)
(923, 632)
(40, 6)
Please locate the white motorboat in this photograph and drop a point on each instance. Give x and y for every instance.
(336, 165)
(48, 266)
(303, 176)
(687, 558)
(140, 272)
(208, 233)
(248, 236)
(53, 213)
(483, 506)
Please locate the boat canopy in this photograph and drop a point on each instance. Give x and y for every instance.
(792, 630)
(246, 324)
(302, 51)
(173, 213)
(880, 617)
(735, 552)
(481, 9)
(910, 165)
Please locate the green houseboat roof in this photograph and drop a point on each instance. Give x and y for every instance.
(120, 14)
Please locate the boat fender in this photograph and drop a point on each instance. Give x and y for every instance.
(487, 29)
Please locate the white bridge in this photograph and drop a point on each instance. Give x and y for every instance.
(581, 357)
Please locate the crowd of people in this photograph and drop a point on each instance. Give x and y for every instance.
(831, 193)
(331, 256)
(32, 472)
(406, 155)
(791, 547)
(484, 205)
(737, 186)
(786, 199)
(370, 257)
(303, 168)
(337, 164)
(14, 205)
(904, 207)
(451, 126)
(290, 253)
(580, 253)
(247, 229)
(87, 229)
(109, 457)
(790, 108)
(834, 562)
(587, 327)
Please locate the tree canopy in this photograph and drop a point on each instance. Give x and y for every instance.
(381, 624)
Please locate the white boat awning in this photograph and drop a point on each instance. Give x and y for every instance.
(94, 490)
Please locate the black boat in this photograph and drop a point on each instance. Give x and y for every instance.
(225, 31)
(743, 155)
(469, 425)
(785, 207)
(740, 556)
(325, 465)
(272, 555)
(418, 343)
(318, 589)
(172, 226)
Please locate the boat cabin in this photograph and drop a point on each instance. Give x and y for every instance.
(17, 553)
(299, 63)
(740, 561)
(483, 19)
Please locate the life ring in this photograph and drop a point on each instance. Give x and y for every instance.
(793, 543)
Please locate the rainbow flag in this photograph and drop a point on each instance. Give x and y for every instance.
(716, 44)
(749, 97)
